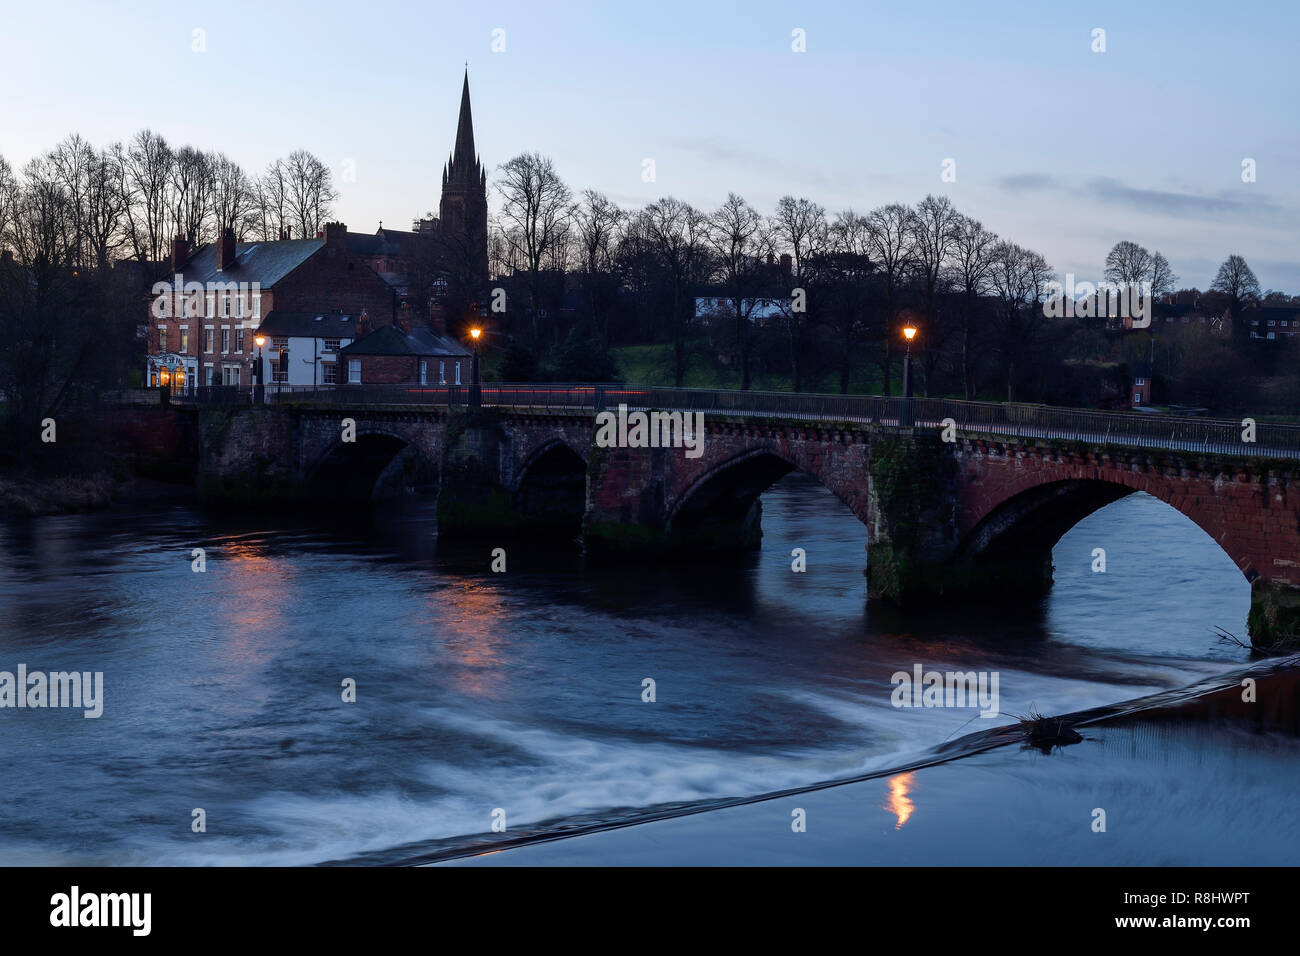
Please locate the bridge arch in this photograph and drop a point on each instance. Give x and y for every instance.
(721, 509)
(1015, 532)
(379, 464)
(550, 492)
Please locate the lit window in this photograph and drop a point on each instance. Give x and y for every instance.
(207, 340)
(162, 338)
(185, 341)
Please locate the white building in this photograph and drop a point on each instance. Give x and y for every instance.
(301, 348)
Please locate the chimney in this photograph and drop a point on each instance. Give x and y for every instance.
(180, 252)
(363, 323)
(787, 264)
(226, 251)
(403, 319)
(335, 235)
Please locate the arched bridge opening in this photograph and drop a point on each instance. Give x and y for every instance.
(375, 467)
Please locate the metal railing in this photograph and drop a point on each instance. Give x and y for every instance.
(1134, 429)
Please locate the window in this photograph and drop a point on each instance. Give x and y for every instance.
(211, 374)
(185, 341)
(162, 338)
(1139, 381)
(457, 373)
(280, 366)
(225, 305)
(354, 371)
(212, 305)
(424, 372)
(1137, 398)
(329, 372)
(442, 373)
(225, 338)
(1272, 321)
(280, 342)
(239, 307)
(207, 340)
(232, 375)
(331, 345)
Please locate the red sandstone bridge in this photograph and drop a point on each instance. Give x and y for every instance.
(959, 498)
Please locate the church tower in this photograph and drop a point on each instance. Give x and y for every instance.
(463, 209)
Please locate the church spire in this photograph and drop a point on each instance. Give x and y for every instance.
(464, 161)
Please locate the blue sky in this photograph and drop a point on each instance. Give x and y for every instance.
(1060, 148)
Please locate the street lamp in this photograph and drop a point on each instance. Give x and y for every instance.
(258, 370)
(476, 388)
(905, 419)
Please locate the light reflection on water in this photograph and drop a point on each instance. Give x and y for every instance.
(523, 690)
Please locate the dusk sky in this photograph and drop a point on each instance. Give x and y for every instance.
(1060, 148)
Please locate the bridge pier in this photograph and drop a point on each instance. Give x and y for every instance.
(1274, 614)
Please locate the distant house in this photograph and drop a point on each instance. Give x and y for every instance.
(302, 348)
(1141, 389)
(1273, 321)
(393, 355)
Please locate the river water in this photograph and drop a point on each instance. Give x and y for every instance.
(518, 696)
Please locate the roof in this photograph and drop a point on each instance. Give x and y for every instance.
(391, 340)
(387, 242)
(307, 325)
(265, 263)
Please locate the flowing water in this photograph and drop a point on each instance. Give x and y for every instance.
(521, 691)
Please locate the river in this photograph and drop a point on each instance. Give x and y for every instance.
(518, 696)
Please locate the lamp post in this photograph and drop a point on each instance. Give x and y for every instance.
(259, 386)
(905, 419)
(476, 387)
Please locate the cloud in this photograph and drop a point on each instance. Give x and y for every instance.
(1027, 182)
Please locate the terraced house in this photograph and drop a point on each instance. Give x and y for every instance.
(203, 321)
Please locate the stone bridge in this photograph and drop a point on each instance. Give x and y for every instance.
(950, 511)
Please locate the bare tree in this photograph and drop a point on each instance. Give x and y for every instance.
(740, 239)
(1127, 262)
(972, 264)
(535, 212)
(1236, 280)
(677, 232)
(800, 226)
(892, 250)
(1161, 276)
(234, 200)
(191, 194)
(271, 202)
(596, 220)
(145, 170)
(1020, 278)
(309, 192)
(934, 229)
(854, 273)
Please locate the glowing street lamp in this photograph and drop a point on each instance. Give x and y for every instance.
(476, 390)
(909, 333)
(258, 371)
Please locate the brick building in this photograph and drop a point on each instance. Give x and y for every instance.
(401, 354)
(202, 321)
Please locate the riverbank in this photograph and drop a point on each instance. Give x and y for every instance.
(1202, 776)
